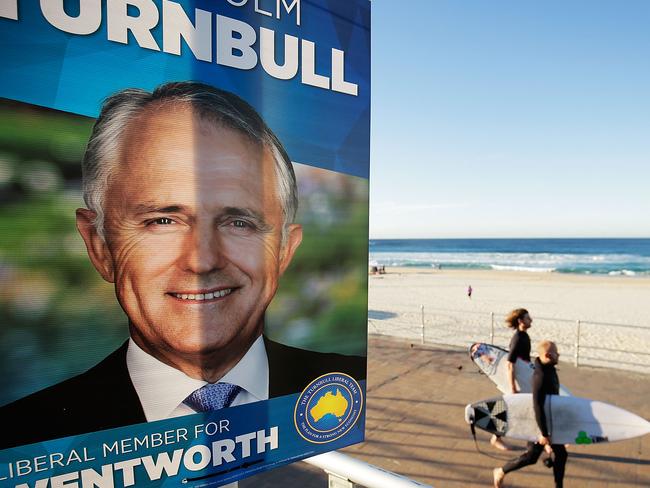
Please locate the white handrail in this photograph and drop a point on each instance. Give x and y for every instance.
(361, 472)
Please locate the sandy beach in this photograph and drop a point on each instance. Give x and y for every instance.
(611, 312)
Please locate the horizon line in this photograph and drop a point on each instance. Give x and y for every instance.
(526, 238)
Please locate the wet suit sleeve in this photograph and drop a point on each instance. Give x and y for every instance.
(539, 396)
(513, 354)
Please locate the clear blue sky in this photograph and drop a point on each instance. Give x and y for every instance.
(510, 119)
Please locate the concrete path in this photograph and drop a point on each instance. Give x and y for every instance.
(415, 426)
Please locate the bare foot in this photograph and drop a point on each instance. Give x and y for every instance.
(498, 443)
(497, 476)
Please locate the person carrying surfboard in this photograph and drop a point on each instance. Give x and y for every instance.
(545, 382)
(519, 319)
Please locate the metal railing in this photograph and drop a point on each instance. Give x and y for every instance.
(345, 471)
(588, 343)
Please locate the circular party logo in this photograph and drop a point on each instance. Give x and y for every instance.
(328, 408)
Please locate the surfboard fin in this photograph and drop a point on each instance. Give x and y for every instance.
(471, 420)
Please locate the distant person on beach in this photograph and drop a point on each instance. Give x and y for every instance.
(469, 292)
(545, 382)
(520, 321)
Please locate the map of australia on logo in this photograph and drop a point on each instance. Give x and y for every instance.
(328, 408)
(334, 404)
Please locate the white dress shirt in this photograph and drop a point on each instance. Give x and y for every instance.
(162, 388)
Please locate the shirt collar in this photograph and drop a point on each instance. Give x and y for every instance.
(162, 388)
(252, 371)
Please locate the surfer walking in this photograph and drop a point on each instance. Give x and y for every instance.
(545, 382)
(520, 321)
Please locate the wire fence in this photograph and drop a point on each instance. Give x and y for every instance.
(585, 343)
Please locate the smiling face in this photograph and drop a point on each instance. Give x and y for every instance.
(194, 239)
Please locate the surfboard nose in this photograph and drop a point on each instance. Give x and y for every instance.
(647, 428)
(473, 348)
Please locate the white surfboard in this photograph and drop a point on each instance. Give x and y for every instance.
(493, 361)
(570, 420)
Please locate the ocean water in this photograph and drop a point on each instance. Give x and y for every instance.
(582, 256)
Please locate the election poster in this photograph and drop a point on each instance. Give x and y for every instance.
(184, 222)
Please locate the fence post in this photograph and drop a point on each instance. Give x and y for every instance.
(577, 361)
(492, 327)
(422, 317)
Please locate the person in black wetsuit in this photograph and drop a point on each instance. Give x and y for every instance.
(519, 320)
(545, 382)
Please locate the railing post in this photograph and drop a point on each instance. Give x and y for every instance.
(422, 318)
(577, 360)
(492, 327)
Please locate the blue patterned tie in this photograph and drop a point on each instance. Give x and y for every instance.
(212, 397)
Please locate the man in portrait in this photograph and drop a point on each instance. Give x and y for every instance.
(191, 201)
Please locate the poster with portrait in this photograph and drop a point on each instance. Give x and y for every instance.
(184, 221)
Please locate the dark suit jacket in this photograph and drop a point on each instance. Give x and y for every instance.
(104, 397)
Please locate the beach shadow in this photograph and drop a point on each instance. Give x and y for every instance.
(379, 315)
(427, 401)
(452, 350)
(611, 459)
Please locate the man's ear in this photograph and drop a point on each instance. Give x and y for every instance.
(294, 238)
(97, 248)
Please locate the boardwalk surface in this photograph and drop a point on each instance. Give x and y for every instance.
(415, 426)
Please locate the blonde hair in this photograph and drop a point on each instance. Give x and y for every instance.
(545, 346)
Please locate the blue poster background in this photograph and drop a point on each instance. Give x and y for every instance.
(45, 66)
(87, 452)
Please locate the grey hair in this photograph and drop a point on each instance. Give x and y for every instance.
(221, 107)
